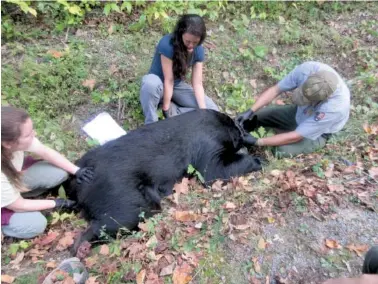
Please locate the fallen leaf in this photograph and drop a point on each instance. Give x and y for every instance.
(256, 264)
(373, 172)
(152, 242)
(89, 83)
(349, 170)
(225, 75)
(153, 278)
(134, 249)
(49, 238)
(91, 261)
(217, 185)
(181, 274)
(68, 280)
(113, 69)
(140, 276)
(229, 205)
(186, 216)
(242, 227)
(104, 250)
(333, 244)
(92, 280)
(253, 83)
(129, 276)
(110, 29)
(335, 187)
(254, 280)
(358, 249)
(18, 259)
(276, 173)
(370, 129)
(51, 264)
(261, 244)
(7, 278)
(109, 268)
(143, 227)
(66, 241)
(271, 220)
(168, 270)
(55, 53)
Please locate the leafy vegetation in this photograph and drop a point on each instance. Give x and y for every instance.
(64, 61)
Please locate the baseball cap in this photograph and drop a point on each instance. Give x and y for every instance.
(318, 87)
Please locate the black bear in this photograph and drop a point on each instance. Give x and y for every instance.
(133, 172)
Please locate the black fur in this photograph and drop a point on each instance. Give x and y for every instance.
(133, 172)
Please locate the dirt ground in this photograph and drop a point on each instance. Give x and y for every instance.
(282, 246)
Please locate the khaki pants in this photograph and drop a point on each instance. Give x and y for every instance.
(282, 119)
(40, 178)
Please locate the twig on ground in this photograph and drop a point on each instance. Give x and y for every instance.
(199, 270)
(66, 37)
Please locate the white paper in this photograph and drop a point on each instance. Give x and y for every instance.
(103, 128)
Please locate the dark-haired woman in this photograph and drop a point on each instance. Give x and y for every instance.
(20, 217)
(174, 55)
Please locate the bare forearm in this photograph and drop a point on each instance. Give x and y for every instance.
(266, 97)
(168, 93)
(27, 205)
(58, 160)
(199, 93)
(280, 139)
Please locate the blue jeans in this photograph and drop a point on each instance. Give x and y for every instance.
(183, 99)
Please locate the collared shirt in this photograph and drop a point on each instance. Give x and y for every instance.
(327, 116)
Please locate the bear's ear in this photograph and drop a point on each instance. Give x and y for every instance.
(250, 124)
(236, 137)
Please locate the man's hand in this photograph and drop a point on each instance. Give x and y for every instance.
(85, 174)
(244, 116)
(166, 114)
(249, 140)
(61, 203)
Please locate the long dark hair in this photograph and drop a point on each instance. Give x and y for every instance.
(11, 120)
(192, 24)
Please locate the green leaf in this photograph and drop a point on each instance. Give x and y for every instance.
(24, 244)
(191, 169)
(200, 177)
(62, 192)
(32, 11)
(260, 51)
(13, 248)
(107, 9)
(261, 131)
(75, 10)
(128, 6)
(115, 7)
(55, 218)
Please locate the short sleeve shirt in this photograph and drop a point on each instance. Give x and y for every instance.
(165, 48)
(328, 116)
(9, 193)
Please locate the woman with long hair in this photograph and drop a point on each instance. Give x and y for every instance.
(175, 54)
(20, 217)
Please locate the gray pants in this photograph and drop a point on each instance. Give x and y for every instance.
(283, 118)
(183, 99)
(40, 177)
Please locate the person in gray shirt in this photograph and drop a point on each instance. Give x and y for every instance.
(321, 106)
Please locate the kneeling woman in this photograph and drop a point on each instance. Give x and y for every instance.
(164, 84)
(20, 217)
